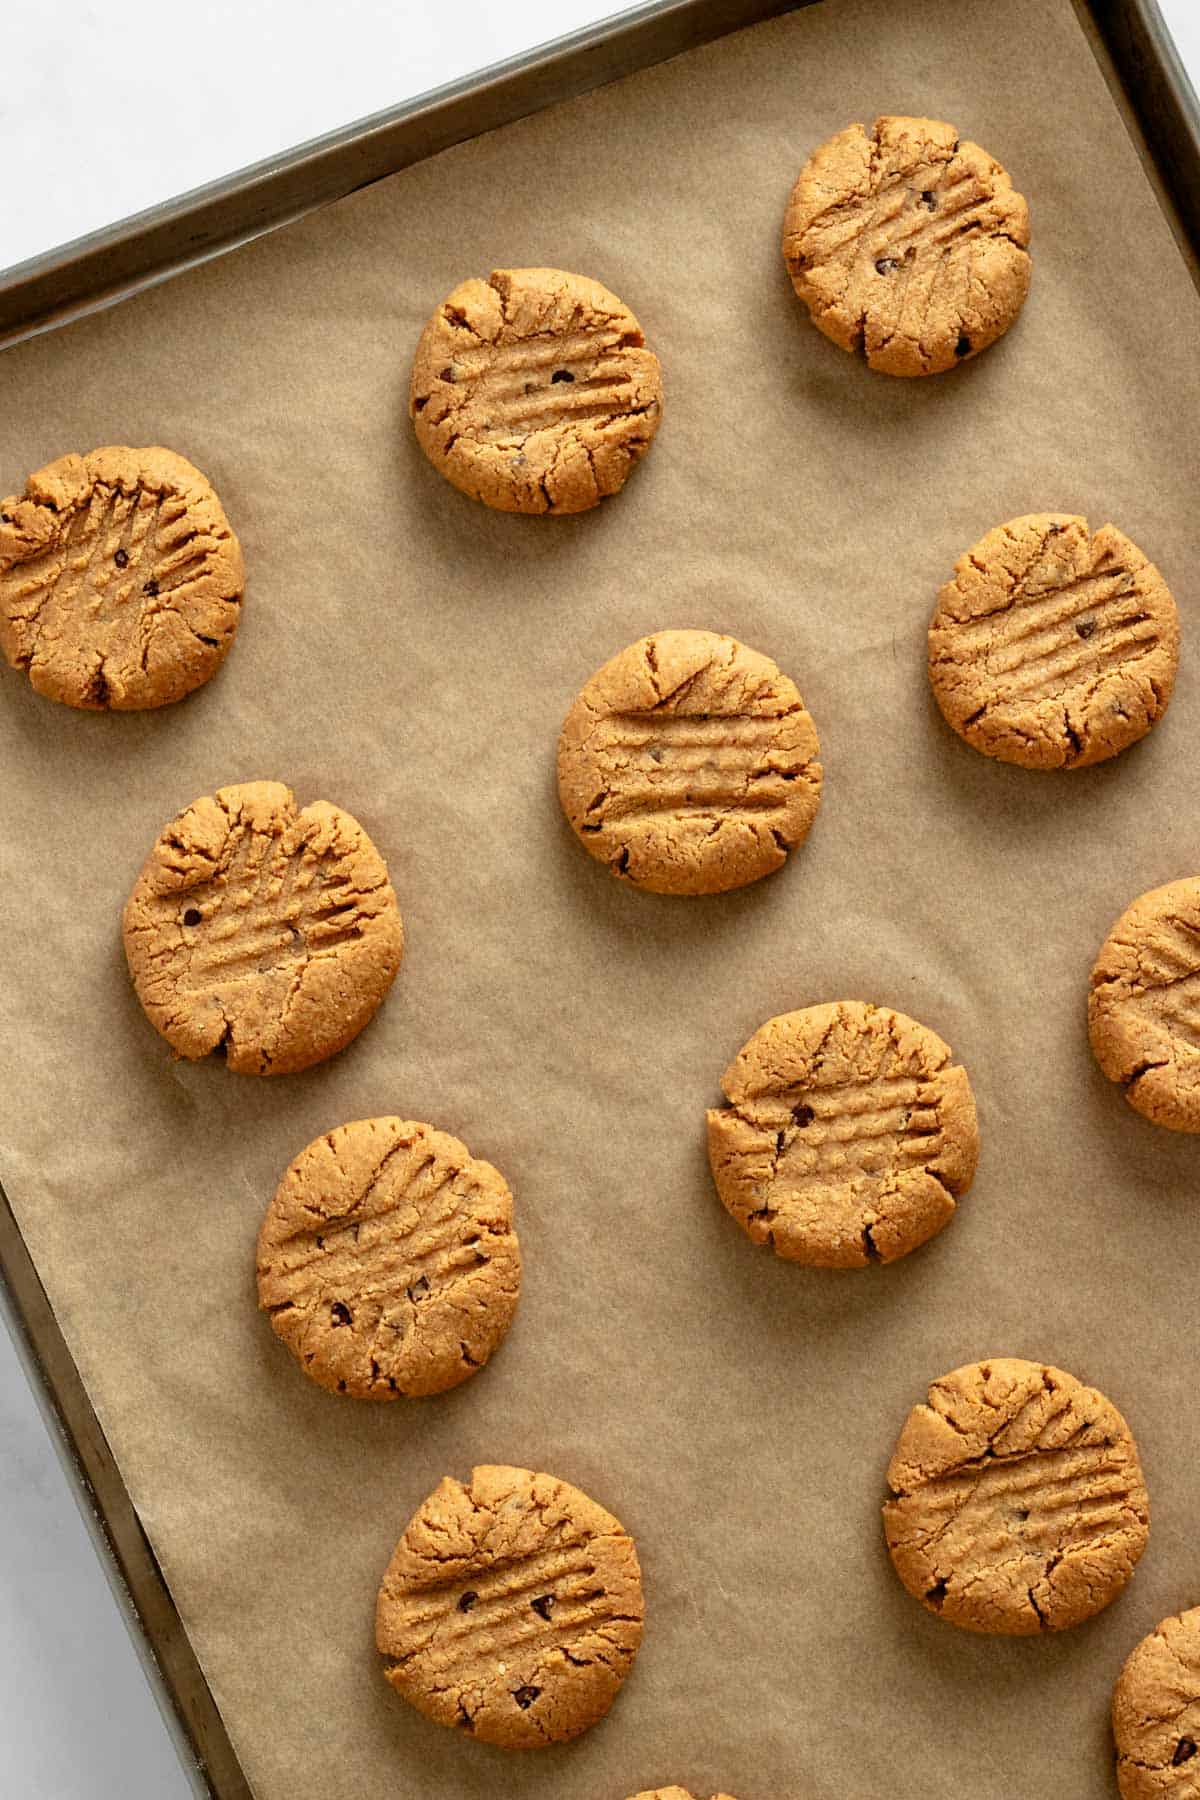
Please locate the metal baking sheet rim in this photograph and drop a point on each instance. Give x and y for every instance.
(1150, 87)
(108, 265)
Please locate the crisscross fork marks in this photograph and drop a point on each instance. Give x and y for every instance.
(913, 243)
(493, 1581)
(846, 1137)
(269, 934)
(878, 1125)
(61, 573)
(959, 211)
(387, 1260)
(1175, 947)
(370, 1262)
(1171, 955)
(876, 235)
(511, 1608)
(522, 389)
(688, 764)
(1043, 1505)
(647, 808)
(266, 910)
(120, 553)
(1053, 646)
(1060, 633)
(1018, 1500)
(405, 1194)
(523, 1639)
(499, 1621)
(1047, 643)
(1170, 969)
(395, 1262)
(1035, 612)
(1181, 1014)
(675, 732)
(1070, 666)
(669, 764)
(907, 244)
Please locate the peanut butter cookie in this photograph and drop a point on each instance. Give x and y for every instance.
(847, 1135)
(907, 244)
(1156, 1713)
(1053, 647)
(534, 391)
(688, 765)
(512, 1609)
(387, 1260)
(266, 933)
(120, 579)
(1144, 1005)
(1019, 1500)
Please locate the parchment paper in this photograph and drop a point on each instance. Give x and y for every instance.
(410, 655)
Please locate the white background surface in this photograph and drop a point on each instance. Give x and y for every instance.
(104, 114)
(1183, 16)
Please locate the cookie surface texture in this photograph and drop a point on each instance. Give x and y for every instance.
(1156, 1713)
(1053, 647)
(907, 245)
(511, 1609)
(673, 1793)
(268, 933)
(847, 1135)
(1144, 1005)
(534, 391)
(688, 764)
(120, 579)
(387, 1260)
(1019, 1504)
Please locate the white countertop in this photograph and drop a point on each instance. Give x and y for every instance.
(99, 122)
(1183, 16)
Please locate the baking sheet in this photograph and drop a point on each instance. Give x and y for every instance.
(409, 655)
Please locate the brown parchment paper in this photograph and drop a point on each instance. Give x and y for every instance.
(410, 655)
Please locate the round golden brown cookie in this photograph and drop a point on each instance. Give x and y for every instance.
(266, 933)
(1156, 1713)
(1019, 1500)
(1144, 1005)
(120, 579)
(387, 1260)
(908, 244)
(846, 1136)
(512, 1608)
(534, 391)
(689, 765)
(1053, 647)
